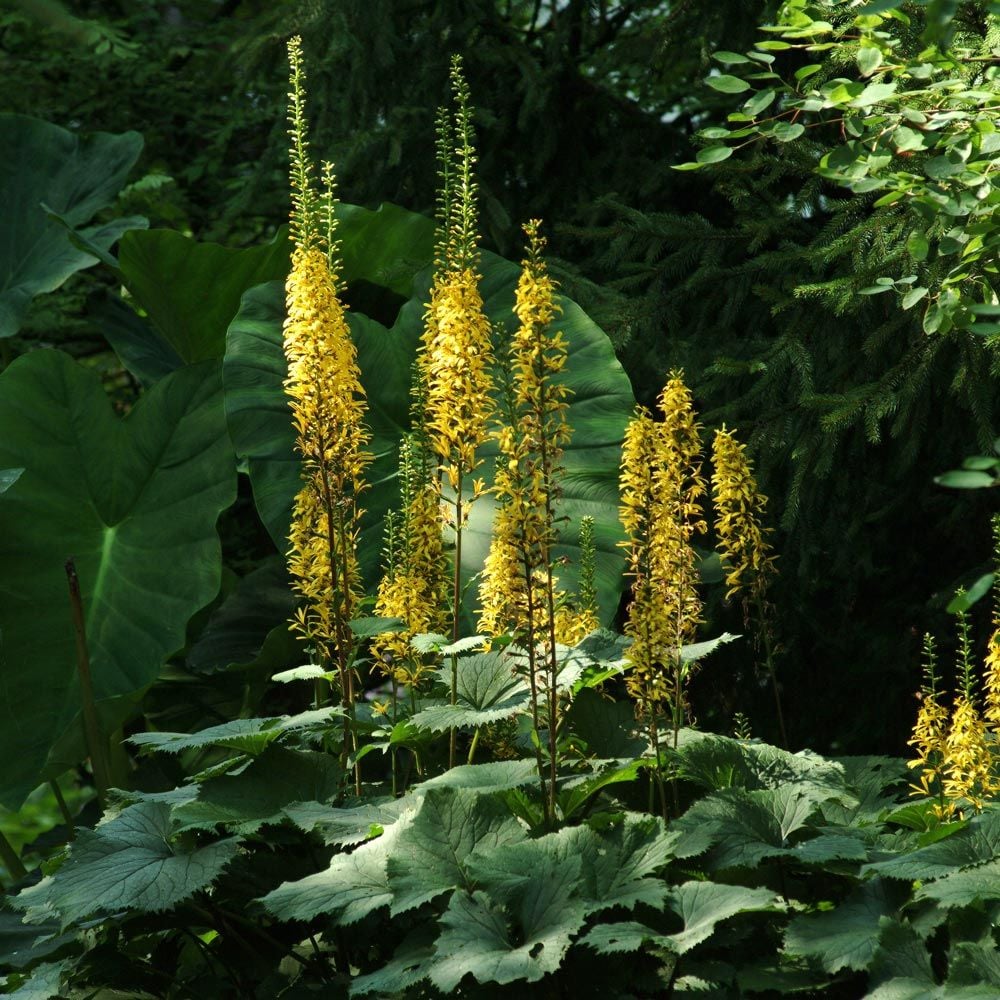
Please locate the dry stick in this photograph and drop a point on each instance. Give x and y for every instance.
(10, 859)
(64, 809)
(91, 725)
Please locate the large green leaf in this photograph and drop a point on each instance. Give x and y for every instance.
(258, 794)
(135, 502)
(599, 409)
(488, 690)
(190, 291)
(74, 177)
(702, 905)
(525, 937)
(132, 862)
(845, 937)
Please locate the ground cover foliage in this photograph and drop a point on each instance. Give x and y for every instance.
(479, 788)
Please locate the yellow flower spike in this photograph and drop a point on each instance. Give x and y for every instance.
(328, 408)
(967, 778)
(740, 508)
(991, 680)
(928, 741)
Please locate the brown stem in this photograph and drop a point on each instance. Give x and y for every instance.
(765, 633)
(91, 724)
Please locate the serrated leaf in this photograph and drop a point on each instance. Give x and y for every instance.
(128, 863)
(625, 936)
(410, 964)
(431, 852)
(251, 736)
(846, 937)
(44, 982)
(347, 827)
(973, 844)
(466, 644)
(353, 886)
(742, 828)
(495, 776)
(488, 690)
(428, 642)
(526, 939)
(307, 672)
(702, 905)
(259, 793)
(831, 847)
(980, 883)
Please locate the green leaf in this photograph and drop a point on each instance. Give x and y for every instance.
(608, 727)
(599, 410)
(787, 131)
(727, 84)
(430, 856)
(191, 291)
(76, 177)
(488, 690)
(742, 828)
(574, 796)
(714, 154)
(259, 793)
(978, 841)
(249, 736)
(756, 104)
(8, 477)
(486, 777)
(965, 479)
(912, 297)
(846, 937)
(44, 982)
(874, 93)
(347, 827)
(250, 621)
(702, 905)
(353, 886)
(731, 58)
(525, 939)
(869, 59)
(625, 936)
(410, 964)
(135, 501)
(368, 628)
(980, 883)
(129, 863)
(965, 599)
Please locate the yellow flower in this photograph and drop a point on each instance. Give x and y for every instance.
(518, 589)
(661, 487)
(928, 740)
(991, 681)
(968, 763)
(328, 407)
(740, 508)
(455, 361)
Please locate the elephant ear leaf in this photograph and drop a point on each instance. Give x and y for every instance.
(134, 502)
(52, 182)
(260, 419)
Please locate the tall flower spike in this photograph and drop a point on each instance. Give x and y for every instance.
(456, 348)
(328, 407)
(518, 570)
(740, 508)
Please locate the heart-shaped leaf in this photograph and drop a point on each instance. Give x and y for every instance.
(73, 177)
(134, 502)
